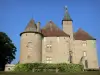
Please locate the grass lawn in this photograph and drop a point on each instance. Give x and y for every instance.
(41, 73)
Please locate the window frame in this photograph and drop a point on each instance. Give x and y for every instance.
(84, 43)
(48, 59)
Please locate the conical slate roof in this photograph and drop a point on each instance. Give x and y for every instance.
(31, 26)
(66, 15)
(51, 30)
(82, 35)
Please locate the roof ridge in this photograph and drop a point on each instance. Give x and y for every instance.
(48, 24)
(51, 29)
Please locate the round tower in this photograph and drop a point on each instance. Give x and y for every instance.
(31, 43)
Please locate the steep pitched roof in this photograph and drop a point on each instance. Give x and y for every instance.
(82, 35)
(66, 15)
(31, 26)
(52, 30)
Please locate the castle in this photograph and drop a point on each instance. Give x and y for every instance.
(50, 44)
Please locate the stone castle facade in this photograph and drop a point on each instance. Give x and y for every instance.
(50, 44)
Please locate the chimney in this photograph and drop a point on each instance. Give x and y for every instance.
(38, 27)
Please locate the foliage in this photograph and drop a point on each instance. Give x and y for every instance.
(42, 67)
(7, 50)
(92, 70)
(50, 73)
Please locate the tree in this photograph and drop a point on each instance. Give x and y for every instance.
(7, 50)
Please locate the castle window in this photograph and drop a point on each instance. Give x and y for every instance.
(48, 48)
(84, 43)
(48, 59)
(28, 57)
(84, 53)
(26, 34)
(64, 37)
(29, 45)
(58, 39)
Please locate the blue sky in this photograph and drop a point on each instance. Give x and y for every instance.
(15, 14)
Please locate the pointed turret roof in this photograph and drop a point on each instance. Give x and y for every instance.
(52, 30)
(66, 15)
(82, 35)
(31, 26)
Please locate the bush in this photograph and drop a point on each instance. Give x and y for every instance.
(91, 69)
(70, 68)
(42, 67)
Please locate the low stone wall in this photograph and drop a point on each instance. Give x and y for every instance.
(9, 67)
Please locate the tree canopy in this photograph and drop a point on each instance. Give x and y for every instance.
(7, 50)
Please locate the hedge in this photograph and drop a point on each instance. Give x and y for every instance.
(42, 67)
(91, 69)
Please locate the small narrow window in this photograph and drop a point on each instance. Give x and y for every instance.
(84, 53)
(29, 45)
(70, 56)
(84, 43)
(28, 57)
(58, 39)
(44, 39)
(64, 37)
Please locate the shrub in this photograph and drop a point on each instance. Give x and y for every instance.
(91, 69)
(42, 67)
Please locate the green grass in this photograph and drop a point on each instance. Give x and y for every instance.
(45, 73)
